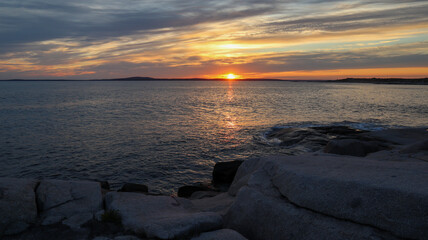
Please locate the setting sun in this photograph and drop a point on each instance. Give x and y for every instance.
(231, 76)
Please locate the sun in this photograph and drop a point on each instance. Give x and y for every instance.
(231, 76)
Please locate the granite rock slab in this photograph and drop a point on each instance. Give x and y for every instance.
(18, 207)
(259, 216)
(58, 199)
(162, 217)
(387, 195)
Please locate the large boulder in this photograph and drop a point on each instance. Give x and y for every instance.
(298, 193)
(18, 207)
(262, 217)
(59, 200)
(163, 217)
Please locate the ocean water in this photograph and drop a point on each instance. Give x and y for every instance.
(169, 134)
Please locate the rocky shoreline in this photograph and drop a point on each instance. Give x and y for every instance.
(351, 185)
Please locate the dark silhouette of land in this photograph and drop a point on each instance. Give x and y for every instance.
(415, 81)
(419, 81)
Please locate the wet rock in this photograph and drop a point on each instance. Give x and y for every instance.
(187, 191)
(222, 234)
(18, 207)
(133, 187)
(338, 130)
(57, 198)
(160, 216)
(224, 172)
(353, 147)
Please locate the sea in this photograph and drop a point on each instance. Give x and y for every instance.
(167, 134)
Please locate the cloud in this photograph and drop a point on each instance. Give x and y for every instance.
(97, 38)
(31, 21)
(350, 21)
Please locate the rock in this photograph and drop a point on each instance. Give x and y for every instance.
(104, 228)
(404, 136)
(126, 237)
(218, 204)
(65, 199)
(258, 216)
(222, 234)
(77, 220)
(416, 147)
(133, 187)
(311, 138)
(314, 197)
(98, 215)
(353, 147)
(101, 238)
(187, 191)
(18, 207)
(105, 185)
(244, 173)
(52, 219)
(224, 172)
(203, 194)
(160, 216)
(338, 131)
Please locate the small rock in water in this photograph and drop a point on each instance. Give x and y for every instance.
(224, 172)
(133, 187)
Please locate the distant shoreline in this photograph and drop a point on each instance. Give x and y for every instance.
(414, 81)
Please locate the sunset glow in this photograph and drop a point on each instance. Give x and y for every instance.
(231, 76)
(168, 39)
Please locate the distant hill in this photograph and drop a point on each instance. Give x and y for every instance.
(419, 81)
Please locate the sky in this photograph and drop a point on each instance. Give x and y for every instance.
(307, 39)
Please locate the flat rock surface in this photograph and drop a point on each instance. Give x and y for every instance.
(161, 216)
(18, 206)
(392, 196)
(222, 234)
(59, 199)
(219, 203)
(261, 217)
